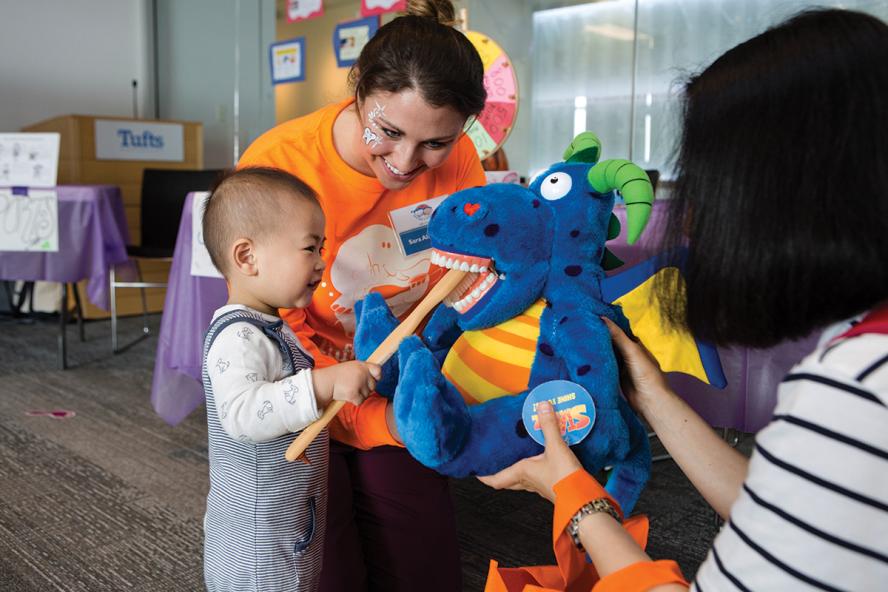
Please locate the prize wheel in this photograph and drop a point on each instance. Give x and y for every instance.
(494, 124)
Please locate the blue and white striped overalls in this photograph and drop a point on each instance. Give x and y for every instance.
(265, 519)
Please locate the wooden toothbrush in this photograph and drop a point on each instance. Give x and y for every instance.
(382, 353)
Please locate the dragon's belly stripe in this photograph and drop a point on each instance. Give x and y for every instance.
(493, 347)
(495, 362)
(526, 327)
(479, 377)
(473, 388)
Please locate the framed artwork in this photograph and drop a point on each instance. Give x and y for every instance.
(287, 60)
(377, 7)
(302, 10)
(350, 38)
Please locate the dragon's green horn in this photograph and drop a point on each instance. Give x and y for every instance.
(635, 186)
(586, 147)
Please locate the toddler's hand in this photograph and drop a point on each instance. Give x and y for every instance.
(354, 381)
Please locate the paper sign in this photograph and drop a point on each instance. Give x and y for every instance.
(374, 7)
(502, 177)
(139, 140)
(287, 61)
(201, 264)
(572, 404)
(351, 37)
(302, 10)
(29, 160)
(29, 219)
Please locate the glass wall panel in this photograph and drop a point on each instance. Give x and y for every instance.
(633, 101)
(581, 51)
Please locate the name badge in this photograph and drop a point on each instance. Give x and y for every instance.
(411, 225)
(573, 405)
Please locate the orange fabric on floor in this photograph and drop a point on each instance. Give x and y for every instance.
(572, 573)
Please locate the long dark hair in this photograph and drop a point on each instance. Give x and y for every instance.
(782, 182)
(422, 52)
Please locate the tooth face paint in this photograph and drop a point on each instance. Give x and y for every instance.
(371, 137)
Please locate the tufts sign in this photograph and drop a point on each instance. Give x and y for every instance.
(138, 140)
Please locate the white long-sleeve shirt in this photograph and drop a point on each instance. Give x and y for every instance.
(258, 397)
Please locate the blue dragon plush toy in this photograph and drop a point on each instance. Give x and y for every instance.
(529, 312)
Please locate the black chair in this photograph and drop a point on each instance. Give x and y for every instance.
(163, 197)
(654, 176)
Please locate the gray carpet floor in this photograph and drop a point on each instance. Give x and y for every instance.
(113, 498)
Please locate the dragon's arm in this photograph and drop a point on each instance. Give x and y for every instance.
(441, 332)
(376, 322)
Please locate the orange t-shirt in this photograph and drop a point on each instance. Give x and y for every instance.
(362, 252)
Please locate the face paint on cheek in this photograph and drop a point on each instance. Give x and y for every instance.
(371, 137)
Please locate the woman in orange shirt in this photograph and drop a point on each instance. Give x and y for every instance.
(377, 162)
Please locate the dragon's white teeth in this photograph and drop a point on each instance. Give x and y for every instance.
(502, 276)
(482, 269)
(449, 263)
(464, 266)
(474, 268)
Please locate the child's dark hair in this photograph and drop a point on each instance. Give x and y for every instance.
(422, 52)
(249, 202)
(782, 182)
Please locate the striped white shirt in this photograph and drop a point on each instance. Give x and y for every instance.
(813, 512)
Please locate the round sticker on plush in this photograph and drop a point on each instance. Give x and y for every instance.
(573, 405)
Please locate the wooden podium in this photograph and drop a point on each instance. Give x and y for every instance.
(78, 164)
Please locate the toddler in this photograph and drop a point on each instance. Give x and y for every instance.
(264, 524)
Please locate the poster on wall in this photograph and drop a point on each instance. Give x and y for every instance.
(287, 60)
(29, 159)
(29, 219)
(351, 37)
(377, 7)
(302, 10)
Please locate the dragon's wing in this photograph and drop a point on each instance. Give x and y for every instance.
(676, 351)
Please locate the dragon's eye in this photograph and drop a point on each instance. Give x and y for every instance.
(555, 186)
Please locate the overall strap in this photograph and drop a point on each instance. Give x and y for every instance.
(272, 330)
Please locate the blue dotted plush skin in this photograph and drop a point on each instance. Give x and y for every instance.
(546, 241)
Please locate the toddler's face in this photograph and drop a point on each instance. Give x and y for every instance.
(290, 265)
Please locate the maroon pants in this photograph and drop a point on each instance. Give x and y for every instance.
(390, 524)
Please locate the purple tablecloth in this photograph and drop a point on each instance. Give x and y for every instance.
(746, 404)
(92, 237)
(748, 401)
(190, 301)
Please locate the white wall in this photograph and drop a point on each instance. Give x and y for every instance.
(213, 67)
(510, 24)
(62, 57)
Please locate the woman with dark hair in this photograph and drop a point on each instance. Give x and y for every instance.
(375, 159)
(782, 200)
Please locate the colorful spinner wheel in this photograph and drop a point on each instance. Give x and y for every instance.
(495, 122)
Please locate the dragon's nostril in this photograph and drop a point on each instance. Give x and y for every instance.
(491, 230)
(470, 208)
